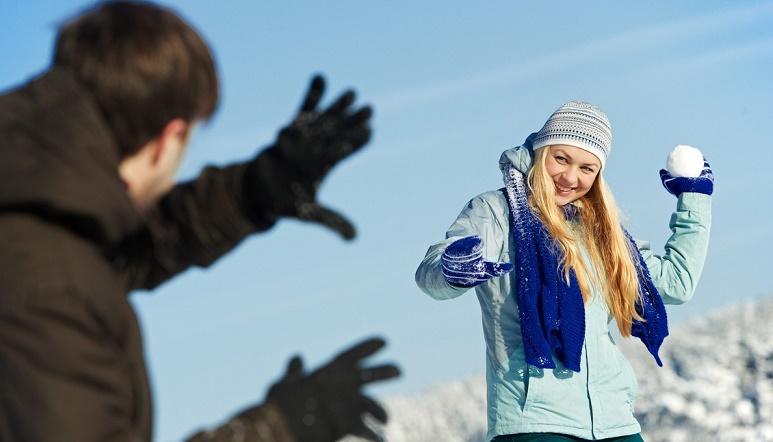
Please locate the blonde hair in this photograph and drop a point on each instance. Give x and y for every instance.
(612, 269)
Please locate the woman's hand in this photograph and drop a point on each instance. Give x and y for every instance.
(463, 265)
(703, 183)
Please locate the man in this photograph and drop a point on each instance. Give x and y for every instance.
(89, 212)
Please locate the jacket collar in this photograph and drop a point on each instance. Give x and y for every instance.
(59, 160)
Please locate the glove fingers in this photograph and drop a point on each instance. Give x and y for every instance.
(354, 354)
(465, 279)
(340, 105)
(707, 172)
(362, 431)
(475, 269)
(313, 212)
(316, 89)
(495, 269)
(458, 262)
(465, 282)
(351, 142)
(666, 178)
(360, 350)
(468, 263)
(359, 118)
(357, 138)
(375, 409)
(464, 247)
(379, 373)
(471, 266)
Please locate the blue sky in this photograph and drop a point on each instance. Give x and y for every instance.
(453, 84)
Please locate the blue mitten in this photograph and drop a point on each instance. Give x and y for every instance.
(463, 265)
(703, 183)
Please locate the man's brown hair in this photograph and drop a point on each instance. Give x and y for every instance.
(144, 66)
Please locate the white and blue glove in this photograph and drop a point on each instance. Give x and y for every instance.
(463, 264)
(703, 183)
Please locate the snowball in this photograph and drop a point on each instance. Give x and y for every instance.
(685, 160)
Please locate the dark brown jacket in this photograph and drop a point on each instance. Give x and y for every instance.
(71, 249)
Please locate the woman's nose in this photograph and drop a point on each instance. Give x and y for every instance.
(569, 177)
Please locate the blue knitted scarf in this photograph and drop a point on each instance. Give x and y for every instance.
(552, 312)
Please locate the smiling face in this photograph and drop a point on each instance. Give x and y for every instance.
(573, 171)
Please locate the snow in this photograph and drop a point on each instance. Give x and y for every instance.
(716, 385)
(685, 161)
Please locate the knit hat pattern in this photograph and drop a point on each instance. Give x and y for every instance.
(579, 124)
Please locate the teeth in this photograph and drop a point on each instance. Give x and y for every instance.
(563, 189)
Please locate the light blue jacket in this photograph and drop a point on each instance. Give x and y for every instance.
(597, 402)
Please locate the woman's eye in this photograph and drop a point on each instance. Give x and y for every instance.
(587, 169)
(560, 159)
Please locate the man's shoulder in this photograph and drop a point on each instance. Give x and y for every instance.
(39, 256)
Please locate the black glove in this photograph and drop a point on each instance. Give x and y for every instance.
(327, 404)
(283, 179)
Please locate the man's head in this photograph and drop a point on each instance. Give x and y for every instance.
(152, 77)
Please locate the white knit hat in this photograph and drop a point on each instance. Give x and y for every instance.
(579, 124)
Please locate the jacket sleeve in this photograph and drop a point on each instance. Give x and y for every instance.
(676, 273)
(477, 218)
(263, 423)
(196, 223)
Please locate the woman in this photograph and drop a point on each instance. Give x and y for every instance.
(552, 267)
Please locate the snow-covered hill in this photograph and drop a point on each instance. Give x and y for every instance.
(716, 385)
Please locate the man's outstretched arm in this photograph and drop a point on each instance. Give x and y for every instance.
(201, 220)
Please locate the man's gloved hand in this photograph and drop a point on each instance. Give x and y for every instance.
(328, 404)
(463, 265)
(703, 183)
(284, 178)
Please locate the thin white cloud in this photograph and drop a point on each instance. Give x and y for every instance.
(624, 43)
(700, 63)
